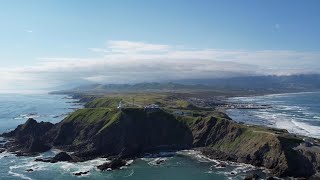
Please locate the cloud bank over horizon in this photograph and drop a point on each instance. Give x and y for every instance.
(133, 62)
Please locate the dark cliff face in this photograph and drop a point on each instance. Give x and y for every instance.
(92, 133)
(129, 132)
(211, 130)
(138, 131)
(30, 128)
(29, 137)
(226, 140)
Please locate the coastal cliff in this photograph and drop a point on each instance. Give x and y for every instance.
(272, 149)
(92, 133)
(104, 131)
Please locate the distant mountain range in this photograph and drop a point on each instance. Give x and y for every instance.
(257, 84)
(298, 82)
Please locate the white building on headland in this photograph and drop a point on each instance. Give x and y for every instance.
(120, 106)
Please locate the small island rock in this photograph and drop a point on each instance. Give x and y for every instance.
(114, 164)
(29, 170)
(62, 156)
(81, 173)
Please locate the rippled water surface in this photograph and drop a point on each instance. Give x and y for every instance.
(297, 112)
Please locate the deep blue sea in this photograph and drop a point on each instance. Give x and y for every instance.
(184, 165)
(297, 112)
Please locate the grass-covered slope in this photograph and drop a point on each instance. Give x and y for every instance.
(107, 102)
(140, 100)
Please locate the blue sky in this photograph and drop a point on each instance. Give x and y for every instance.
(36, 34)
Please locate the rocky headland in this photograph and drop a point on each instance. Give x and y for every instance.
(101, 130)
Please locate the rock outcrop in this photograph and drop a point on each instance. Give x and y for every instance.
(116, 163)
(60, 157)
(29, 138)
(227, 140)
(81, 173)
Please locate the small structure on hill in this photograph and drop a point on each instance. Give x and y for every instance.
(120, 106)
(152, 108)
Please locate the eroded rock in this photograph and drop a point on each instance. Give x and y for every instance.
(81, 173)
(60, 157)
(114, 164)
(29, 170)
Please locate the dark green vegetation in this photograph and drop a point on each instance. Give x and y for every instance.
(107, 102)
(102, 130)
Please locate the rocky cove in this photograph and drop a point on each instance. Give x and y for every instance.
(101, 130)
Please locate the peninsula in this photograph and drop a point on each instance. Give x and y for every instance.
(147, 123)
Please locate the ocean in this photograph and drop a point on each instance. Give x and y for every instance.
(183, 165)
(15, 109)
(297, 112)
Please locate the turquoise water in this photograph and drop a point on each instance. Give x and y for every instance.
(297, 112)
(184, 165)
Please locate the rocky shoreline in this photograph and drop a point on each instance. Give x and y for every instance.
(119, 134)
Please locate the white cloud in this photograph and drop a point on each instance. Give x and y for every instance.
(135, 47)
(128, 47)
(28, 31)
(130, 62)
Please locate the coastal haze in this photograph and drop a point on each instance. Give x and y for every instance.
(159, 89)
